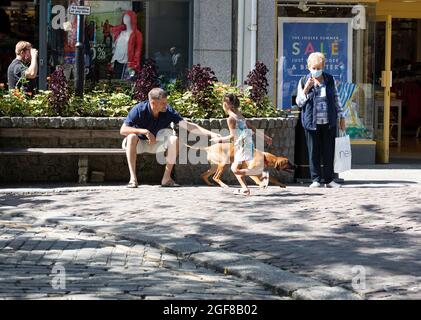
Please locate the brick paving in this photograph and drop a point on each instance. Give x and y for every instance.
(33, 259)
(334, 236)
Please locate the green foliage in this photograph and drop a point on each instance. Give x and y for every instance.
(186, 105)
(39, 105)
(13, 103)
(94, 104)
(115, 99)
(100, 104)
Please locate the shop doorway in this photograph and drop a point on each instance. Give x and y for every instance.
(18, 20)
(406, 86)
(405, 92)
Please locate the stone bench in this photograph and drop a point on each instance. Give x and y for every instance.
(83, 153)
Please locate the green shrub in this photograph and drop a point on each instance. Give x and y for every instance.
(186, 105)
(115, 99)
(14, 103)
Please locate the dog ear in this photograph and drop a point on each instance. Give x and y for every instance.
(281, 163)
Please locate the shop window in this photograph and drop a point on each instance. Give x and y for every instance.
(345, 34)
(18, 20)
(160, 28)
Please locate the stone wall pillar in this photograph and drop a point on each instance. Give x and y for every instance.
(266, 32)
(212, 36)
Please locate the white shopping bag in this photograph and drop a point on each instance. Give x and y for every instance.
(343, 154)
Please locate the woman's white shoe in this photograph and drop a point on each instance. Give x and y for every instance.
(315, 184)
(333, 184)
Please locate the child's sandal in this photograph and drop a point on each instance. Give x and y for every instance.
(242, 192)
(265, 180)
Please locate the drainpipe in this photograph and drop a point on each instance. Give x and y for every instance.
(240, 42)
(43, 35)
(253, 29)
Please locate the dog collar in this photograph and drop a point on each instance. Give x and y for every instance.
(266, 163)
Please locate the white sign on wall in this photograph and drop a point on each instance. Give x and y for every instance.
(80, 10)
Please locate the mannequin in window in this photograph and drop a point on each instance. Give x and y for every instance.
(176, 63)
(127, 47)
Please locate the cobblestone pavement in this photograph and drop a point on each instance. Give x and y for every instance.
(365, 239)
(49, 263)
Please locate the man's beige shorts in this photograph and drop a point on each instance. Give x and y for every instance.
(161, 144)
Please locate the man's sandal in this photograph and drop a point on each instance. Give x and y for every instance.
(242, 192)
(170, 184)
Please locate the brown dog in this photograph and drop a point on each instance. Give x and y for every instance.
(222, 154)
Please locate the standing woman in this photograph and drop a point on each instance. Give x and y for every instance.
(317, 96)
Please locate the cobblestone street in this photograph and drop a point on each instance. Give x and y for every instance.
(202, 242)
(102, 267)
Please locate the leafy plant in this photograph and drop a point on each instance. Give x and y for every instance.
(257, 80)
(200, 83)
(2, 89)
(38, 106)
(175, 86)
(186, 105)
(202, 99)
(59, 91)
(146, 80)
(14, 103)
(100, 104)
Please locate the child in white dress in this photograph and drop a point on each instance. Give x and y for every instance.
(241, 131)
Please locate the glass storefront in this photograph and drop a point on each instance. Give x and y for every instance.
(18, 20)
(345, 33)
(119, 36)
(161, 30)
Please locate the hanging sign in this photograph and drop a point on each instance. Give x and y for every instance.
(80, 10)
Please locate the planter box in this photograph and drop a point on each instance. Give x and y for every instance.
(57, 132)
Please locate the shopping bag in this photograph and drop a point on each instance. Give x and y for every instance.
(343, 154)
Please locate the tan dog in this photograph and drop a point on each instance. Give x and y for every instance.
(222, 154)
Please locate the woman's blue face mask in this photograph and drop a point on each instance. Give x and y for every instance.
(316, 70)
(316, 73)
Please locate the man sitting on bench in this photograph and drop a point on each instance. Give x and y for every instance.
(144, 131)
